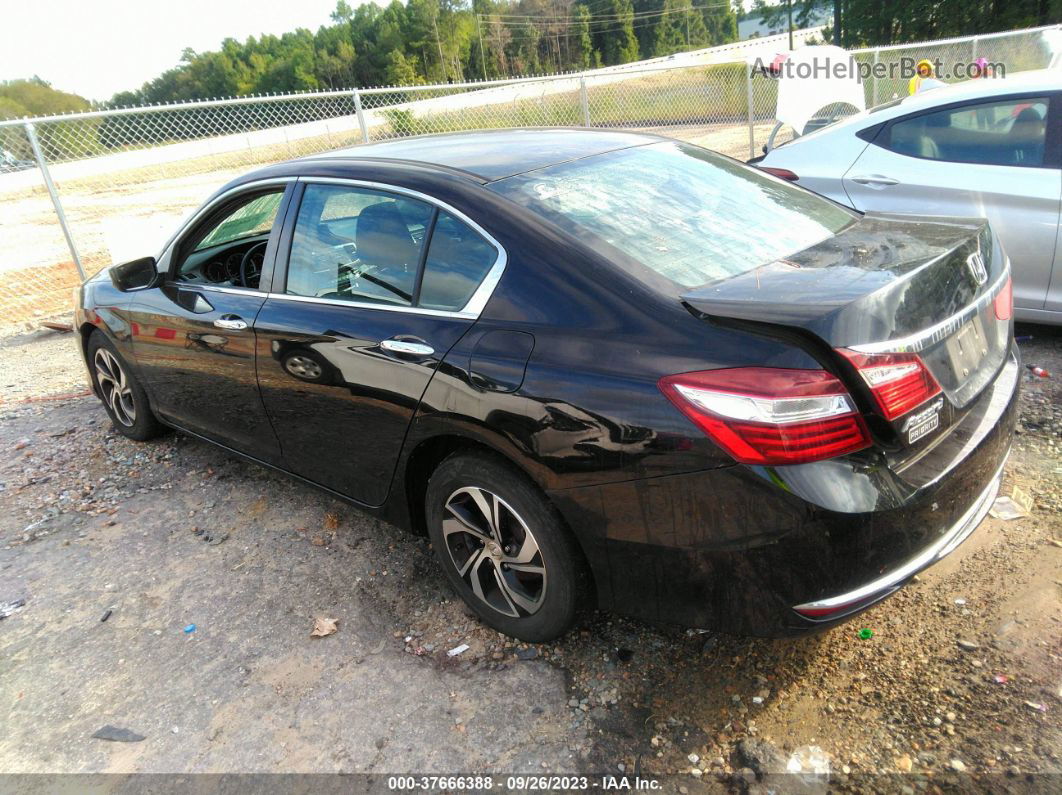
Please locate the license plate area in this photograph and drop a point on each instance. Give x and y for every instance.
(967, 349)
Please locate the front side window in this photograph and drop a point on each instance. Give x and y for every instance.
(248, 220)
(357, 244)
(678, 211)
(228, 249)
(1000, 133)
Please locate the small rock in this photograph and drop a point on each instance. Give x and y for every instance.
(747, 776)
(759, 756)
(968, 645)
(116, 734)
(957, 765)
(694, 759)
(527, 654)
(904, 764)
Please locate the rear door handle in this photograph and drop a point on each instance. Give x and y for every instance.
(407, 347)
(875, 179)
(231, 322)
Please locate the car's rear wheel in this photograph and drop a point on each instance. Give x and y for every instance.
(504, 548)
(122, 395)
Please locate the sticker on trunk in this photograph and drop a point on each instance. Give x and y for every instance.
(925, 421)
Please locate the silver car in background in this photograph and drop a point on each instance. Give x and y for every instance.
(990, 148)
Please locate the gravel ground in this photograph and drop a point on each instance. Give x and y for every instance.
(960, 684)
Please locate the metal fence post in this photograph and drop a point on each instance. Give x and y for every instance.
(584, 101)
(748, 100)
(877, 79)
(31, 133)
(361, 117)
(973, 50)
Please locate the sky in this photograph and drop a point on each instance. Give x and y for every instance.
(96, 48)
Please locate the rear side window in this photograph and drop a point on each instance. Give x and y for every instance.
(1012, 132)
(458, 260)
(679, 211)
(363, 245)
(357, 244)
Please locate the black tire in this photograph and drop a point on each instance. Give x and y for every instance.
(557, 596)
(130, 411)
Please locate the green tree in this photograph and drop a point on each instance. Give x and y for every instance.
(343, 13)
(613, 31)
(720, 22)
(680, 28)
(400, 71)
(583, 55)
(36, 97)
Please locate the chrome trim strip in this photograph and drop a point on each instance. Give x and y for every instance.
(919, 341)
(413, 310)
(479, 298)
(931, 554)
(214, 288)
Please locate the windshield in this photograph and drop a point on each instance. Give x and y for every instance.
(682, 212)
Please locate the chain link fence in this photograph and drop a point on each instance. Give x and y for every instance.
(84, 190)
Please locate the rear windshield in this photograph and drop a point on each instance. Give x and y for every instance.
(679, 211)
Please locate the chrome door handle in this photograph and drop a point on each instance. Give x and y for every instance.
(407, 347)
(231, 322)
(875, 179)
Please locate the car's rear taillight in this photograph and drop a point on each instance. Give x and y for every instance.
(781, 173)
(898, 381)
(770, 416)
(1004, 301)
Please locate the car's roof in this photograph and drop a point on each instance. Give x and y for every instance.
(495, 154)
(1014, 83)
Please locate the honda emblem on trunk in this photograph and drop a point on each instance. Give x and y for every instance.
(976, 263)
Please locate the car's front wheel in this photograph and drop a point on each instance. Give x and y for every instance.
(504, 548)
(122, 395)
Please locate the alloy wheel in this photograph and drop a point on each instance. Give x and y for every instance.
(116, 390)
(303, 367)
(494, 552)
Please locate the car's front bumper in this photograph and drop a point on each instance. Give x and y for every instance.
(738, 548)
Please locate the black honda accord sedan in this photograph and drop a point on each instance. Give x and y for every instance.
(598, 369)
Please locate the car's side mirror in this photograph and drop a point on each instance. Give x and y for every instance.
(134, 275)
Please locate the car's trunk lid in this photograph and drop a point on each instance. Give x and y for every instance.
(884, 284)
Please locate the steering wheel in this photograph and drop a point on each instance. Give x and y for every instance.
(251, 268)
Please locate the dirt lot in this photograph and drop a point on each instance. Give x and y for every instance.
(156, 537)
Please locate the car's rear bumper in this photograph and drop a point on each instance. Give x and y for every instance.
(739, 548)
(847, 603)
